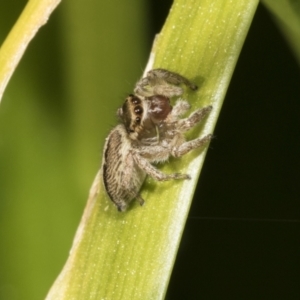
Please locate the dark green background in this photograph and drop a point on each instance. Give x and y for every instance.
(242, 235)
(242, 239)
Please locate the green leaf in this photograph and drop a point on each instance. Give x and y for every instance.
(130, 255)
(35, 14)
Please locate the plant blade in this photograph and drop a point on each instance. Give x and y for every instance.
(130, 255)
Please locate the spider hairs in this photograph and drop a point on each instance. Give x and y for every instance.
(150, 131)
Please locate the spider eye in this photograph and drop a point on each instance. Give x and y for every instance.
(138, 110)
(138, 120)
(135, 100)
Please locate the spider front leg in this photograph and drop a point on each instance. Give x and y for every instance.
(188, 123)
(161, 75)
(146, 166)
(162, 82)
(190, 145)
(180, 108)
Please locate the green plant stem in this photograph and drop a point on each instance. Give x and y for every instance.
(35, 14)
(131, 255)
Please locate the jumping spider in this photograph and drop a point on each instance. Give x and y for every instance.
(150, 132)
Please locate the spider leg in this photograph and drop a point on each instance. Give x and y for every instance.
(190, 145)
(146, 166)
(162, 82)
(188, 123)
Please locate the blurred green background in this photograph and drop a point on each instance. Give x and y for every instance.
(242, 236)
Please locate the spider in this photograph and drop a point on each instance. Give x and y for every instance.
(150, 131)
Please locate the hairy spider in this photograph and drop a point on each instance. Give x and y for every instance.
(151, 131)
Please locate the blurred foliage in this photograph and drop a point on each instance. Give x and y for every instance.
(287, 16)
(49, 117)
